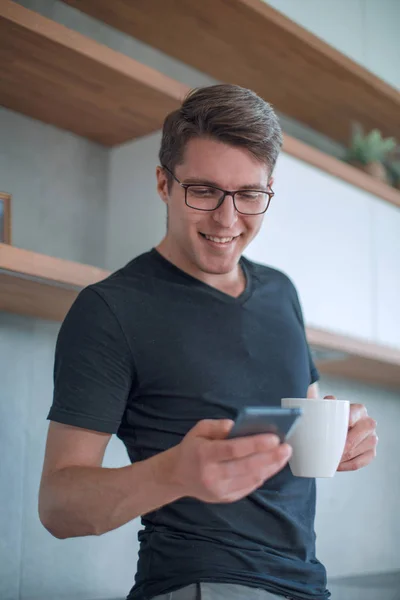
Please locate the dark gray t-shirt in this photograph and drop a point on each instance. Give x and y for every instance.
(150, 351)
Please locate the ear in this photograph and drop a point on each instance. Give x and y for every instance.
(271, 181)
(162, 184)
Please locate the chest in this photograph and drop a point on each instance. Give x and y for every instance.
(219, 353)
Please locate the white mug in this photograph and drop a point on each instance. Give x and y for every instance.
(319, 437)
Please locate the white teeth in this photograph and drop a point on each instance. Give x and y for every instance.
(219, 240)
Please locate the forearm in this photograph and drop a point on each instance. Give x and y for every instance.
(79, 501)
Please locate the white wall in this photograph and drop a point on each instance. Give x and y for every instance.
(366, 30)
(386, 253)
(318, 230)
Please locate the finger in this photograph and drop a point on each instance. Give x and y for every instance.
(357, 412)
(213, 429)
(243, 446)
(243, 486)
(369, 443)
(357, 434)
(254, 464)
(329, 397)
(358, 462)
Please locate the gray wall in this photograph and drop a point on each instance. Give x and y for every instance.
(70, 199)
(59, 184)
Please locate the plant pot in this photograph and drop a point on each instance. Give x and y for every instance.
(375, 169)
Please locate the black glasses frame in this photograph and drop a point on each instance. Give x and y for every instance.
(225, 193)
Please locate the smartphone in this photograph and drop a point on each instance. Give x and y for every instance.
(252, 420)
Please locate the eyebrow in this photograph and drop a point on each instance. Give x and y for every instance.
(247, 186)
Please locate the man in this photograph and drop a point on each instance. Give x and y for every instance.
(165, 352)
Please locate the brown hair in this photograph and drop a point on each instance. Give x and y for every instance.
(225, 112)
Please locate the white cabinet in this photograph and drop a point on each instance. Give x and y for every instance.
(318, 230)
(387, 266)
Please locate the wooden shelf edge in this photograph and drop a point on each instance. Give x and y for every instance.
(355, 359)
(325, 339)
(65, 79)
(281, 21)
(63, 36)
(47, 268)
(341, 170)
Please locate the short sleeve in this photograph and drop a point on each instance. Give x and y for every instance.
(93, 367)
(313, 369)
(314, 374)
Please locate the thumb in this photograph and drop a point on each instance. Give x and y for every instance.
(329, 397)
(213, 429)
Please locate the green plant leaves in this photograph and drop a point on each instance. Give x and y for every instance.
(370, 147)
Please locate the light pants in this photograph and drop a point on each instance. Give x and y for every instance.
(219, 591)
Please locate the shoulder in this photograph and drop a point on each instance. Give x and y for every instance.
(120, 285)
(265, 273)
(105, 301)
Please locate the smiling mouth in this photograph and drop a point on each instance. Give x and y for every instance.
(219, 240)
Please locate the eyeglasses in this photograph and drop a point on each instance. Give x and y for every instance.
(209, 197)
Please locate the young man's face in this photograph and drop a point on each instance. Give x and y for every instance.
(229, 168)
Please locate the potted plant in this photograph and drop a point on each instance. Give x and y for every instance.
(369, 152)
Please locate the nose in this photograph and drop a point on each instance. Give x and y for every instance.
(226, 215)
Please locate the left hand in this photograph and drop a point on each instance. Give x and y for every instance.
(361, 442)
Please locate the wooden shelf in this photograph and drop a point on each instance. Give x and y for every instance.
(354, 358)
(41, 286)
(341, 170)
(63, 78)
(249, 43)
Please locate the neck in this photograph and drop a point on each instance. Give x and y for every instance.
(232, 283)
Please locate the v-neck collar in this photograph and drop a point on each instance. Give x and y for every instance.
(245, 295)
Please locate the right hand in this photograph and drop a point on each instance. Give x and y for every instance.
(213, 469)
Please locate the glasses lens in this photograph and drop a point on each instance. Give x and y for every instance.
(203, 197)
(251, 202)
(248, 202)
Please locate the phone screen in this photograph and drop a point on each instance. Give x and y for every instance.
(256, 420)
